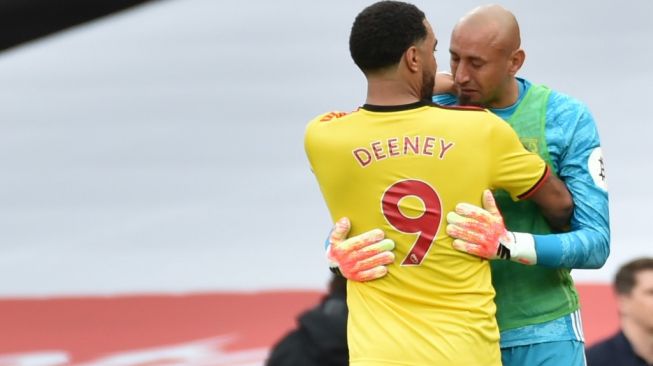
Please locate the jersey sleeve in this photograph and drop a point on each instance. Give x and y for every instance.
(515, 169)
(313, 137)
(445, 99)
(581, 167)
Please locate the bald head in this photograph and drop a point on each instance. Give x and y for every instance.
(486, 56)
(495, 23)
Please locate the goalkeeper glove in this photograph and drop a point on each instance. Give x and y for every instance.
(481, 232)
(360, 258)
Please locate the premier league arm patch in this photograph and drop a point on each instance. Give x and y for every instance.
(596, 168)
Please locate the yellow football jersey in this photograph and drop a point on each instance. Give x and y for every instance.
(402, 169)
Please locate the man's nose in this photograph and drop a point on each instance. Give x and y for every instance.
(461, 76)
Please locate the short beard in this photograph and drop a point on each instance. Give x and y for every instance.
(465, 101)
(428, 83)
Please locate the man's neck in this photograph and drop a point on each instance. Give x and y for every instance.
(509, 97)
(641, 339)
(381, 91)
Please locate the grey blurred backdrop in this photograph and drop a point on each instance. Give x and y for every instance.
(161, 149)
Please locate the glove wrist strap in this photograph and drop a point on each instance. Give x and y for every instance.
(523, 249)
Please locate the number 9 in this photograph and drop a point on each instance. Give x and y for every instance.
(426, 225)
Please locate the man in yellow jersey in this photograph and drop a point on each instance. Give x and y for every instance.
(400, 162)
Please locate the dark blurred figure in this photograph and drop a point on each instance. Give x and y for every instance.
(26, 20)
(321, 335)
(633, 344)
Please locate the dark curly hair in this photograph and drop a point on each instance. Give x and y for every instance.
(382, 32)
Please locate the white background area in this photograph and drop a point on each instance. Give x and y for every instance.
(161, 150)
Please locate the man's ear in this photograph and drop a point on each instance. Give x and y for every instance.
(516, 61)
(411, 58)
(623, 304)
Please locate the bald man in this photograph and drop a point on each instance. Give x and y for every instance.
(537, 303)
(537, 306)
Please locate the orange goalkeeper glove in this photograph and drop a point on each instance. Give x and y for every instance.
(360, 258)
(481, 232)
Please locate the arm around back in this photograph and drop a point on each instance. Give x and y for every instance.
(555, 202)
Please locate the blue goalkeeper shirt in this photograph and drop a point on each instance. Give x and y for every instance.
(575, 150)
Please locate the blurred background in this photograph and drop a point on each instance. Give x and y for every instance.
(153, 151)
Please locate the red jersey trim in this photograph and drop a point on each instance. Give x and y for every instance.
(537, 185)
(460, 107)
(332, 115)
